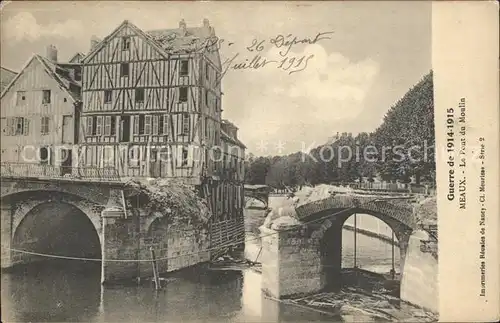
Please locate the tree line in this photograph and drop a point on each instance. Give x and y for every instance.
(400, 149)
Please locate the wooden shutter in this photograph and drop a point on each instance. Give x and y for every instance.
(165, 124)
(107, 125)
(155, 125)
(147, 125)
(136, 125)
(99, 126)
(89, 126)
(190, 155)
(26, 126)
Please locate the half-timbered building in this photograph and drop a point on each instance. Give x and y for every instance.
(39, 112)
(152, 108)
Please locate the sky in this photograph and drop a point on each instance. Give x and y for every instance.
(366, 57)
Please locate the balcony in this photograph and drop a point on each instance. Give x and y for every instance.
(43, 171)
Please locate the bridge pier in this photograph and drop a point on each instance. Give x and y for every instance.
(119, 242)
(291, 263)
(6, 229)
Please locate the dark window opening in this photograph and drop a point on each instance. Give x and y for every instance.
(113, 125)
(125, 43)
(184, 68)
(184, 156)
(139, 95)
(44, 155)
(124, 69)
(161, 121)
(183, 94)
(125, 129)
(141, 124)
(78, 75)
(107, 96)
(207, 70)
(185, 123)
(94, 125)
(46, 96)
(19, 126)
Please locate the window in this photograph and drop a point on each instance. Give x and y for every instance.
(46, 96)
(124, 69)
(165, 125)
(139, 95)
(184, 156)
(134, 156)
(21, 97)
(206, 97)
(161, 121)
(125, 43)
(147, 125)
(18, 126)
(184, 68)
(107, 125)
(183, 94)
(141, 124)
(207, 70)
(26, 126)
(88, 128)
(45, 125)
(93, 121)
(98, 130)
(155, 125)
(113, 125)
(185, 123)
(107, 96)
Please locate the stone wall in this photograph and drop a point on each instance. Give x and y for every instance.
(291, 263)
(187, 246)
(175, 247)
(419, 284)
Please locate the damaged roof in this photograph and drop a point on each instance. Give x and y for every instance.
(235, 141)
(63, 75)
(60, 72)
(6, 76)
(182, 40)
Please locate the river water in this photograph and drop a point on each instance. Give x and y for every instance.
(70, 291)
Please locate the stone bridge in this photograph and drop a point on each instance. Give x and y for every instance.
(259, 193)
(91, 220)
(302, 244)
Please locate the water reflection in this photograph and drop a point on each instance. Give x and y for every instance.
(51, 291)
(62, 291)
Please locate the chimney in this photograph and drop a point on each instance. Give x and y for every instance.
(52, 53)
(182, 25)
(94, 41)
(206, 23)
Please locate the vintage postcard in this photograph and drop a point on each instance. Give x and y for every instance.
(247, 161)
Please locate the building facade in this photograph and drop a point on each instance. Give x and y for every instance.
(39, 113)
(151, 107)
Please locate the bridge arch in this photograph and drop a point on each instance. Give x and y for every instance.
(23, 202)
(256, 198)
(56, 228)
(328, 232)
